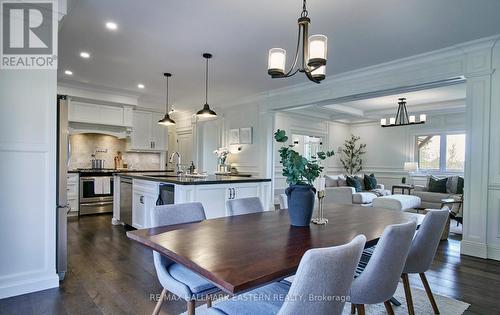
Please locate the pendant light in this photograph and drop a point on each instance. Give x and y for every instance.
(206, 111)
(402, 118)
(313, 50)
(167, 121)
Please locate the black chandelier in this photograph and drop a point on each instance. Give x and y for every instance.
(167, 121)
(402, 118)
(314, 54)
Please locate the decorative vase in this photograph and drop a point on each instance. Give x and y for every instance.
(300, 204)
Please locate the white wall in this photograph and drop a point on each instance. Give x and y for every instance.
(388, 148)
(27, 181)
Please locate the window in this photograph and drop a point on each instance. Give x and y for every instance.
(441, 152)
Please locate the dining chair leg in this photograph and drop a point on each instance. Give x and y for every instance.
(209, 301)
(353, 309)
(361, 309)
(429, 293)
(190, 307)
(409, 301)
(156, 311)
(388, 308)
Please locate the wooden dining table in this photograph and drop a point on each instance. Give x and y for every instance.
(243, 252)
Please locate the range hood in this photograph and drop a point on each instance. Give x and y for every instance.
(120, 132)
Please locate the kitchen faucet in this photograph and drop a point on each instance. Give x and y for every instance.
(178, 169)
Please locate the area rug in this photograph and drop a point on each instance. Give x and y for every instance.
(447, 306)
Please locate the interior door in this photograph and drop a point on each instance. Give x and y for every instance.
(185, 147)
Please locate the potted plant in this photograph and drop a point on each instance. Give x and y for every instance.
(352, 155)
(300, 175)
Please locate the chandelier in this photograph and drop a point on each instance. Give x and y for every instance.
(402, 118)
(314, 54)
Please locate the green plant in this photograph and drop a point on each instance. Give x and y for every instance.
(351, 155)
(296, 168)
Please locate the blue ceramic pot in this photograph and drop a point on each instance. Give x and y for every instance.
(300, 204)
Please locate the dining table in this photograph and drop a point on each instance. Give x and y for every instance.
(240, 253)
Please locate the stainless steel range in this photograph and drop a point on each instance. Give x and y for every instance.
(96, 191)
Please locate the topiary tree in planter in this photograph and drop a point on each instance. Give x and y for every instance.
(300, 175)
(352, 155)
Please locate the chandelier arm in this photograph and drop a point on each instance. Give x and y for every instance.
(295, 59)
(310, 77)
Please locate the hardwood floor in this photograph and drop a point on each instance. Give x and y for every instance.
(109, 274)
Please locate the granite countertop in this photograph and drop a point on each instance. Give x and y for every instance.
(184, 180)
(119, 171)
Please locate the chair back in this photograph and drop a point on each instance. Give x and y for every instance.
(425, 243)
(171, 215)
(378, 282)
(325, 273)
(244, 206)
(283, 201)
(177, 214)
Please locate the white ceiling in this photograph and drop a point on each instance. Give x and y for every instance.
(446, 99)
(155, 36)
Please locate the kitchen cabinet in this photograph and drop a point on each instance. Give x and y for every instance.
(99, 114)
(147, 134)
(72, 193)
(213, 197)
(144, 196)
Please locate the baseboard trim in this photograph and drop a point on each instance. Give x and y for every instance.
(17, 287)
(493, 252)
(473, 249)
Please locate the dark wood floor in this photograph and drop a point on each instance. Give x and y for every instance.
(109, 274)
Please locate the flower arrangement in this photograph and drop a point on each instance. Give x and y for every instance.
(222, 154)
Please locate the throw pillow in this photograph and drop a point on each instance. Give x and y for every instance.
(342, 181)
(354, 182)
(437, 185)
(370, 182)
(361, 182)
(460, 185)
(331, 181)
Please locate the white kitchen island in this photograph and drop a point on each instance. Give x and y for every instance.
(212, 191)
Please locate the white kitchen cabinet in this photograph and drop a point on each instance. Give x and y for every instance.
(159, 133)
(99, 114)
(147, 134)
(144, 196)
(72, 193)
(213, 197)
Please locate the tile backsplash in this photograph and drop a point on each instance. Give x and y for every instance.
(84, 145)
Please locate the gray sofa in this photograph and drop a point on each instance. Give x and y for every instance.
(338, 192)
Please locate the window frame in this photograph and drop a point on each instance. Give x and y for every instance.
(442, 152)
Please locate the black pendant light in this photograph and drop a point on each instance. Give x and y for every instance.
(206, 111)
(167, 121)
(402, 118)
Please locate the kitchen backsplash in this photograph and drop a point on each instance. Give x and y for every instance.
(84, 145)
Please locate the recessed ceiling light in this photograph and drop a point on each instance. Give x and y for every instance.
(68, 72)
(140, 85)
(85, 55)
(111, 25)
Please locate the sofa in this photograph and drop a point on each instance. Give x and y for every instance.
(337, 191)
(432, 200)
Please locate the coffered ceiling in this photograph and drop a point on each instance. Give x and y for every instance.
(155, 36)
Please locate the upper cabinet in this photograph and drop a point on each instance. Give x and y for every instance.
(100, 114)
(147, 134)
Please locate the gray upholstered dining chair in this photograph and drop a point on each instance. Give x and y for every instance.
(283, 201)
(379, 280)
(172, 276)
(422, 252)
(322, 272)
(244, 206)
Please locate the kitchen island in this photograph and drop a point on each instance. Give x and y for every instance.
(135, 194)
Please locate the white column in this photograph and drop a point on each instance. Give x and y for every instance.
(479, 103)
